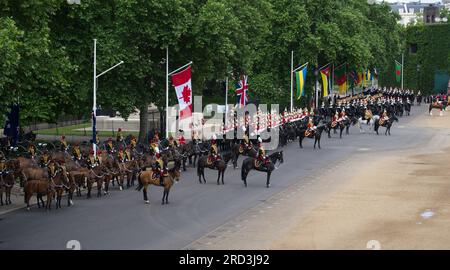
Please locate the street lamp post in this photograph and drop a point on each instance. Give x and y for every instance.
(418, 77)
(94, 107)
(316, 72)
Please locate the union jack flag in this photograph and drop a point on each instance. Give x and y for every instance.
(241, 91)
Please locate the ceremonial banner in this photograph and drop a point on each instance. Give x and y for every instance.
(398, 71)
(340, 75)
(241, 91)
(183, 87)
(325, 73)
(300, 77)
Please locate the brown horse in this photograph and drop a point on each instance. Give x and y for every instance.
(147, 178)
(41, 188)
(6, 183)
(60, 183)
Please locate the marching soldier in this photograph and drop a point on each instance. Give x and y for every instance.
(64, 145)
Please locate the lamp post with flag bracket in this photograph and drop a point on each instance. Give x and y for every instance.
(94, 107)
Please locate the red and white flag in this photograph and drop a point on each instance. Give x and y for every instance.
(182, 83)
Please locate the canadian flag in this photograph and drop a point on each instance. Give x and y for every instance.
(182, 83)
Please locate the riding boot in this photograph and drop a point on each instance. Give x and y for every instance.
(161, 181)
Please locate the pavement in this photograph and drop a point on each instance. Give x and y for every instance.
(202, 216)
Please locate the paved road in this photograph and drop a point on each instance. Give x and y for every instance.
(122, 220)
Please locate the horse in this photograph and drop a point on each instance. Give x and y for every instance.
(60, 183)
(316, 134)
(145, 178)
(249, 164)
(41, 188)
(437, 105)
(370, 123)
(7, 180)
(387, 124)
(220, 165)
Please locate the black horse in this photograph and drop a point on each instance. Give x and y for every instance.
(316, 134)
(249, 164)
(387, 124)
(220, 165)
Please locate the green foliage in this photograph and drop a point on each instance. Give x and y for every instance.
(433, 54)
(46, 48)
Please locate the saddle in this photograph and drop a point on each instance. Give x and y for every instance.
(309, 133)
(259, 163)
(381, 122)
(333, 124)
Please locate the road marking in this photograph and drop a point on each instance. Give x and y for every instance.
(363, 149)
(427, 214)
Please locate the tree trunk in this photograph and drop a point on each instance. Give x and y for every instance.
(143, 123)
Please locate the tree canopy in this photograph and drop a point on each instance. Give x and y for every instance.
(46, 48)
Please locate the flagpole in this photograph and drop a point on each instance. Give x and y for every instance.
(292, 90)
(167, 91)
(402, 68)
(94, 107)
(332, 79)
(226, 102)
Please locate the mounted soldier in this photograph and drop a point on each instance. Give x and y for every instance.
(368, 114)
(171, 142)
(44, 160)
(119, 137)
(246, 144)
(154, 143)
(64, 145)
(133, 142)
(159, 171)
(383, 118)
(32, 150)
(213, 152)
(180, 138)
(128, 153)
(76, 153)
(121, 155)
(261, 159)
(110, 146)
(93, 161)
(310, 128)
(334, 119)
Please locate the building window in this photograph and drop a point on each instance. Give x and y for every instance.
(411, 10)
(400, 10)
(421, 10)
